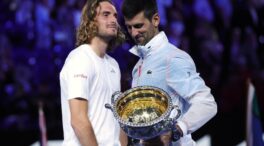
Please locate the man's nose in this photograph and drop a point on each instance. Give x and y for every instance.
(113, 19)
(134, 32)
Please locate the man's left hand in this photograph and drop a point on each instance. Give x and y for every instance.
(166, 138)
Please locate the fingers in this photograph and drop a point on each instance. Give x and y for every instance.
(166, 139)
(162, 140)
(152, 142)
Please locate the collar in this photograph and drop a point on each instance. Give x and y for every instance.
(154, 43)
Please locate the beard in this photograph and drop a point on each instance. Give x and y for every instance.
(140, 40)
(107, 36)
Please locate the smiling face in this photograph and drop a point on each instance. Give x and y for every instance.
(141, 29)
(106, 19)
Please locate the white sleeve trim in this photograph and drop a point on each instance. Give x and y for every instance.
(183, 127)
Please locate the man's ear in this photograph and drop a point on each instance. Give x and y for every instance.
(156, 19)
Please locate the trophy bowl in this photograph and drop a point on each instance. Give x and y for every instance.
(143, 112)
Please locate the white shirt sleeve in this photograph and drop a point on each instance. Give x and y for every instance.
(79, 72)
(186, 82)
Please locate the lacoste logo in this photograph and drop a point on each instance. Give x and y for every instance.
(149, 72)
(112, 71)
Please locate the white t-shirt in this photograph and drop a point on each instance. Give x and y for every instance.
(95, 79)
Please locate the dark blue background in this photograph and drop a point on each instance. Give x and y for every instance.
(224, 37)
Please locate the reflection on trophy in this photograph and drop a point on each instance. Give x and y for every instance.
(143, 112)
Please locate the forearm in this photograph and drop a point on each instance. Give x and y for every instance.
(123, 138)
(85, 133)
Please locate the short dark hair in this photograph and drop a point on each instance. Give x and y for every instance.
(131, 8)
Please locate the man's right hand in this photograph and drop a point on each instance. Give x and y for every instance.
(162, 140)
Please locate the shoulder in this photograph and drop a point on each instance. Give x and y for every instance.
(178, 56)
(80, 53)
(176, 52)
(79, 58)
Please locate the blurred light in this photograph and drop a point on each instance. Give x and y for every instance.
(57, 61)
(10, 120)
(32, 61)
(8, 24)
(9, 89)
(27, 87)
(57, 49)
(261, 39)
(13, 6)
(126, 46)
(59, 36)
(31, 24)
(5, 67)
(30, 35)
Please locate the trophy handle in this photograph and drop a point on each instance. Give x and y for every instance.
(176, 107)
(173, 120)
(115, 95)
(107, 105)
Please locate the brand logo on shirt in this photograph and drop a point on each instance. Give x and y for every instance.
(149, 72)
(112, 70)
(80, 76)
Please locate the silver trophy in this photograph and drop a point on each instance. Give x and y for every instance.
(143, 112)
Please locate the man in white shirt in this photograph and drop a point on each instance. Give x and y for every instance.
(88, 79)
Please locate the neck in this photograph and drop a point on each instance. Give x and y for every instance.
(156, 32)
(99, 46)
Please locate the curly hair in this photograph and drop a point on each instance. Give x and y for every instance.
(88, 28)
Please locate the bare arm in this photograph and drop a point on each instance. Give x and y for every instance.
(81, 123)
(123, 138)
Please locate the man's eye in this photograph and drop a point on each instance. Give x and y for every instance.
(105, 14)
(138, 25)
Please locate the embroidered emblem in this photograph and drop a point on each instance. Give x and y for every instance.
(189, 74)
(149, 72)
(80, 76)
(112, 70)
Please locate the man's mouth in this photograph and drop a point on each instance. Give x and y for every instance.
(138, 37)
(112, 26)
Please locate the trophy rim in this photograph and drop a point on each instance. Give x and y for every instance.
(153, 122)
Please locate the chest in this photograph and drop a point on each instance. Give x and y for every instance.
(107, 77)
(150, 72)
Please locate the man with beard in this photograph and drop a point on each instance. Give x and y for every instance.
(167, 67)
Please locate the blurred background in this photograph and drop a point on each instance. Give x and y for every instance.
(224, 37)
